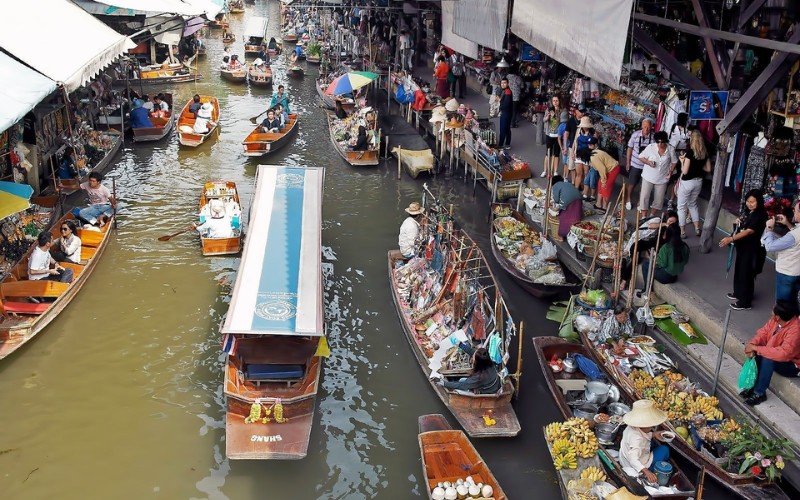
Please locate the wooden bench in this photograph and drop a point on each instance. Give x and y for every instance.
(29, 288)
(87, 253)
(273, 373)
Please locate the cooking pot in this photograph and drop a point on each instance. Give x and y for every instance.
(606, 432)
(570, 366)
(619, 409)
(586, 410)
(596, 392)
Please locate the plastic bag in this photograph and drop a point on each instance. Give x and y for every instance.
(548, 250)
(586, 324)
(747, 377)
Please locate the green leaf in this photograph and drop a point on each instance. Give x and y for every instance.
(556, 313)
(746, 464)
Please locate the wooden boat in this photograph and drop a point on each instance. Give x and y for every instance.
(238, 75)
(369, 157)
(744, 486)
(562, 383)
(566, 475)
(254, 33)
(259, 77)
(258, 143)
(327, 101)
(219, 22)
(236, 7)
(290, 37)
(161, 126)
(276, 51)
(70, 186)
(275, 319)
(226, 192)
(228, 38)
(465, 265)
(162, 77)
(23, 318)
(313, 59)
(448, 455)
(296, 72)
(186, 135)
(539, 290)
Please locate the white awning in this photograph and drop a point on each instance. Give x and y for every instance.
(209, 8)
(589, 37)
(102, 9)
(70, 57)
(482, 21)
(21, 88)
(256, 27)
(450, 39)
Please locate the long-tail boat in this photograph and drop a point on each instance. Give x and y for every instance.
(28, 306)
(259, 76)
(745, 486)
(186, 134)
(539, 290)
(274, 334)
(370, 157)
(254, 33)
(161, 125)
(260, 143)
(448, 455)
(562, 384)
(162, 75)
(455, 297)
(226, 192)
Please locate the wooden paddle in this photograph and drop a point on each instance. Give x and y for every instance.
(255, 118)
(170, 236)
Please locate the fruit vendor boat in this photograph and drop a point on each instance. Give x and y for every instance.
(505, 219)
(260, 143)
(273, 332)
(454, 297)
(226, 192)
(639, 383)
(370, 157)
(448, 455)
(563, 387)
(22, 316)
(186, 134)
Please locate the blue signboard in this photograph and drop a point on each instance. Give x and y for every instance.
(529, 54)
(708, 104)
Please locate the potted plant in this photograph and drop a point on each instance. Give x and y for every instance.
(756, 454)
(313, 50)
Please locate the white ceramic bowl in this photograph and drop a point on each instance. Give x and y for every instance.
(667, 436)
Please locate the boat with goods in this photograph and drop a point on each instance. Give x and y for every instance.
(227, 197)
(449, 306)
(273, 334)
(342, 130)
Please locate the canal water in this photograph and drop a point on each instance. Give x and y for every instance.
(121, 396)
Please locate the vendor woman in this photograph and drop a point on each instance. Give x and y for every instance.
(568, 200)
(484, 378)
(639, 448)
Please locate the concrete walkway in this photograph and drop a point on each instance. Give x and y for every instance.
(700, 293)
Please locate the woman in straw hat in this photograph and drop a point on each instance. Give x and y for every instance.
(409, 237)
(218, 225)
(638, 450)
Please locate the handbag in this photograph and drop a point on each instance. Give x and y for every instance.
(747, 377)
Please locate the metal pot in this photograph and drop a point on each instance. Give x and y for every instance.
(619, 409)
(596, 392)
(606, 432)
(587, 411)
(570, 366)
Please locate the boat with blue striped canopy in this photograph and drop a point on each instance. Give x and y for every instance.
(274, 332)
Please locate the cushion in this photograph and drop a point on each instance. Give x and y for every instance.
(273, 372)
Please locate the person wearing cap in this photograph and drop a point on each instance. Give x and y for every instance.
(140, 117)
(607, 169)
(281, 97)
(203, 120)
(409, 238)
(639, 140)
(218, 225)
(569, 137)
(506, 112)
(658, 160)
(638, 450)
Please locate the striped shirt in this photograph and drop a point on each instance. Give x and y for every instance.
(638, 142)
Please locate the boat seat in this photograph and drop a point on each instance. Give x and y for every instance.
(33, 288)
(24, 308)
(90, 238)
(273, 372)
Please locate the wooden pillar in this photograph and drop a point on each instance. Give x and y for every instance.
(715, 201)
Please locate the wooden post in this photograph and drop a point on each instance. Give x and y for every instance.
(701, 479)
(600, 234)
(518, 374)
(547, 197)
(399, 161)
(620, 241)
(114, 195)
(634, 263)
(715, 201)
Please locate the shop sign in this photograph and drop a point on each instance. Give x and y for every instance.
(529, 54)
(708, 104)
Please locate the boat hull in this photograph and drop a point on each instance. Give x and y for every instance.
(235, 76)
(148, 134)
(260, 78)
(258, 143)
(187, 119)
(368, 158)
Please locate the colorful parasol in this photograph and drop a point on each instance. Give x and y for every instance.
(349, 82)
(14, 198)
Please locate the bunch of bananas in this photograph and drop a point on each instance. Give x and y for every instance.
(729, 426)
(641, 380)
(581, 436)
(562, 447)
(593, 473)
(565, 461)
(255, 414)
(554, 432)
(707, 405)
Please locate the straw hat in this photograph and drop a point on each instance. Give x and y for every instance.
(258, 62)
(217, 209)
(451, 105)
(623, 494)
(586, 122)
(439, 114)
(644, 414)
(414, 208)
(455, 123)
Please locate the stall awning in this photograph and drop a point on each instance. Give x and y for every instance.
(21, 88)
(482, 21)
(102, 9)
(450, 39)
(36, 33)
(209, 8)
(256, 27)
(588, 37)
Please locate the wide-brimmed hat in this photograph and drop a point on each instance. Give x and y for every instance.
(217, 209)
(439, 114)
(644, 414)
(258, 62)
(586, 122)
(451, 105)
(623, 494)
(414, 208)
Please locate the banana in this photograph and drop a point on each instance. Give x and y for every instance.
(593, 473)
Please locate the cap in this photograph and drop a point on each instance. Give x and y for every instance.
(593, 140)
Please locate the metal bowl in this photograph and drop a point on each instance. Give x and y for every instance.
(618, 409)
(587, 411)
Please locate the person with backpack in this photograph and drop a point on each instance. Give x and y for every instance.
(459, 75)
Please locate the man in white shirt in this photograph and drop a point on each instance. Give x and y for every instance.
(40, 261)
(408, 240)
(101, 202)
(404, 42)
(218, 225)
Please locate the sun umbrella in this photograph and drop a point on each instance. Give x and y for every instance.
(349, 82)
(14, 198)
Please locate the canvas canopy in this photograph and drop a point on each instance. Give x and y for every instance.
(449, 38)
(21, 88)
(481, 21)
(256, 27)
(70, 58)
(209, 8)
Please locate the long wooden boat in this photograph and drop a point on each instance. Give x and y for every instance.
(238, 75)
(313, 59)
(186, 134)
(290, 37)
(258, 143)
(228, 38)
(448, 455)
(295, 72)
(744, 486)
(259, 77)
(70, 186)
(161, 126)
(274, 325)
(566, 475)
(426, 325)
(157, 75)
(539, 290)
(369, 157)
(23, 318)
(254, 33)
(561, 383)
(226, 192)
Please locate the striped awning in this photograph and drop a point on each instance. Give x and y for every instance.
(278, 287)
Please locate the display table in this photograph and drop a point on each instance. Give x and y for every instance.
(503, 176)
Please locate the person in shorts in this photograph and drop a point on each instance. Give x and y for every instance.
(636, 144)
(551, 122)
(581, 143)
(564, 144)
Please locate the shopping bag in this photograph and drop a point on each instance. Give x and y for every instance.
(747, 377)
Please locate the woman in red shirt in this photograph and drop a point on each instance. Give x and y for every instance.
(440, 73)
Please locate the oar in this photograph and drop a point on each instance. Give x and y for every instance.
(255, 118)
(170, 236)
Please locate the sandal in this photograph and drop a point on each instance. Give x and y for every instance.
(697, 231)
(683, 234)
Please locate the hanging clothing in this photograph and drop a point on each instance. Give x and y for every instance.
(755, 173)
(660, 112)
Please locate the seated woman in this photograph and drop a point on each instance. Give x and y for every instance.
(271, 123)
(226, 61)
(273, 44)
(67, 168)
(235, 64)
(203, 121)
(671, 258)
(484, 378)
(69, 245)
(638, 451)
(362, 142)
(218, 225)
(568, 202)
